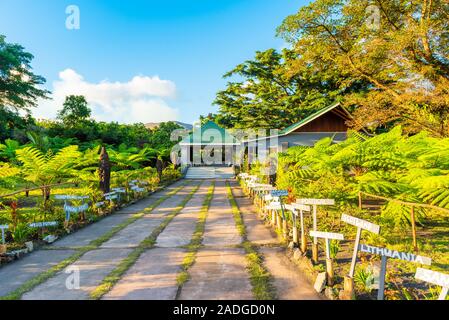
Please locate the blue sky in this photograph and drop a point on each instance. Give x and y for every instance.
(142, 60)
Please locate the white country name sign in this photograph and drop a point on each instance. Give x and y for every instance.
(68, 209)
(3, 228)
(436, 278)
(137, 189)
(315, 203)
(388, 253)
(43, 224)
(361, 225)
(99, 204)
(328, 236)
(280, 194)
(110, 196)
(301, 208)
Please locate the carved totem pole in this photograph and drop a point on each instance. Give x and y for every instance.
(105, 171)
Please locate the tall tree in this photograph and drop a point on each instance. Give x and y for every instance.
(19, 86)
(74, 111)
(270, 92)
(399, 47)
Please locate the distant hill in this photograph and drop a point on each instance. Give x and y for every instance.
(153, 125)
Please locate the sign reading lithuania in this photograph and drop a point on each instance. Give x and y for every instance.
(406, 256)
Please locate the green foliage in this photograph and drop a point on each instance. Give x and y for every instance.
(392, 165)
(8, 150)
(44, 169)
(363, 279)
(397, 63)
(264, 95)
(75, 110)
(19, 86)
(334, 248)
(20, 233)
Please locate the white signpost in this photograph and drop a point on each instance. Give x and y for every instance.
(361, 225)
(388, 253)
(280, 194)
(3, 228)
(294, 208)
(68, 209)
(110, 196)
(328, 236)
(119, 191)
(43, 224)
(137, 189)
(315, 203)
(436, 278)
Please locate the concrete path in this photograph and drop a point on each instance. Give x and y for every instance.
(180, 230)
(136, 232)
(220, 228)
(290, 284)
(153, 277)
(13, 275)
(219, 272)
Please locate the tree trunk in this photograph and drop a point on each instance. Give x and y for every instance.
(159, 168)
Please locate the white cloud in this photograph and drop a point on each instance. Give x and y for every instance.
(139, 100)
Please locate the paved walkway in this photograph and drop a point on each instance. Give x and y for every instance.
(219, 271)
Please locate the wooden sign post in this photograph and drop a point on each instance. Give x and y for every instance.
(3, 228)
(301, 208)
(315, 203)
(43, 225)
(436, 278)
(68, 209)
(119, 191)
(280, 194)
(361, 225)
(388, 253)
(3, 247)
(328, 236)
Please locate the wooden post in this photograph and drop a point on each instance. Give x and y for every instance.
(273, 218)
(295, 230)
(356, 250)
(327, 236)
(361, 225)
(348, 285)
(329, 265)
(413, 221)
(284, 229)
(360, 200)
(278, 221)
(383, 273)
(315, 240)
(303, 234)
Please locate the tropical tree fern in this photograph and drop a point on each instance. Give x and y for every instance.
(44, 169)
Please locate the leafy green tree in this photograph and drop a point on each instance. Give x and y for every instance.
(161, 135)
(44, 169)
(19, 86)
(8, 150)
(13, 125)
(74, 111)
(266, 93)
(398, 48)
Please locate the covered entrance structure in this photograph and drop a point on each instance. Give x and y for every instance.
(209, 145)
